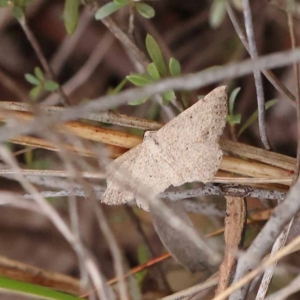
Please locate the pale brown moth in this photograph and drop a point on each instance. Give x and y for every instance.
(184, 150)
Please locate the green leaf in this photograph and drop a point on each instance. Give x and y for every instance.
(34, 92)
(39, 74)
(254, 116)
(28, 158)
(234, 119)
(51, 86)
(139, 101)
(18, 12)
(140, 79)
(145, 10)
(143, 257)
(39, 164)
(232, 99)
(3, 3)
(217, 13)
(32, 79)
(156, 55)
(107, 10)
(71, 13)
(33, 290)
(121, 2)
(174, 67)
(153, 72)
(168, 96)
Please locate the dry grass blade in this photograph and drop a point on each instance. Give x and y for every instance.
(27, 273)
(110, 117)
(274, 165)
(83, 130)
(255, 153)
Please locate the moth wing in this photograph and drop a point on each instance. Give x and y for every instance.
(117, 191)
(205, 120)
(195, 162)
(136, 173)
(153, 175)
(144, 170)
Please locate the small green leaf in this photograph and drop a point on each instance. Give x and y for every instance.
(39, 74)
(174, 67)
(121, 2)
(34, 92)
(156, 55)
(140, 79)
(234, 119)
(153, 72)
(254, 116)
(18, 12)
(32, 79)
(51, 86)
(168, 96)
(217, 13)
(139, 101)
(71, 13)
(145, 10)
(3, 3)
(107, 10)
(232, 99)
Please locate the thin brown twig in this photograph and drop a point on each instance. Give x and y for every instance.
(86, 71)
(279, 86)
(281, 240)
(110, 117)
(297, 81)
(114, 248)
(265, 239)
(257, 74)
(126, 42)
(38, 50)
(187, 82)
(69, 43)
(233, 190)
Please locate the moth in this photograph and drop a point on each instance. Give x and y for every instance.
(184, 150)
